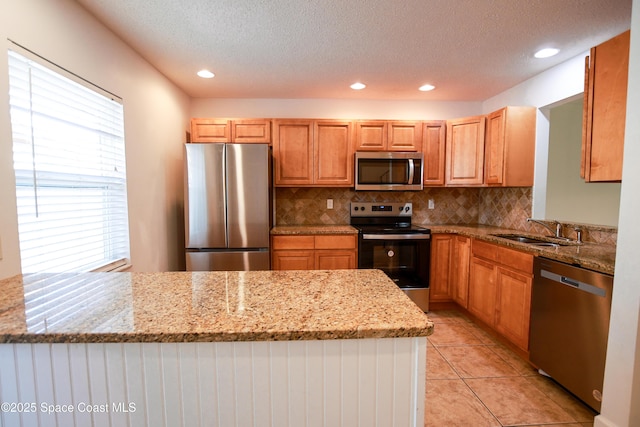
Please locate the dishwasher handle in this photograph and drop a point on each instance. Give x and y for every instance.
(576, 284)
(568, 281)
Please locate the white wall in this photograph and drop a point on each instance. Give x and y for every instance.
(156, 119)
(569, 197)
(555, 85)
(332, 109)
(621, 393)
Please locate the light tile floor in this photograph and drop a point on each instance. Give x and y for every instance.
(473, 380)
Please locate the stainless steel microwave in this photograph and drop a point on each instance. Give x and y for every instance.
(388, 171)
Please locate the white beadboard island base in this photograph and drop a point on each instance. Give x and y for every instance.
(359, 382)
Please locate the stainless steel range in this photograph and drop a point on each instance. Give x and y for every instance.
(388, 241)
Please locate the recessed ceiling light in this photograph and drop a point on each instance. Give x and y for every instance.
(358, 86)
(546, 53)
(205, 74)
(426, 88)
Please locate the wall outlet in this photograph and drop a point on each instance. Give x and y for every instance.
(329, 203)
(432, 205)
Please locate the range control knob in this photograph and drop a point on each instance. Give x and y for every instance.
(356, 208)
(406, 209)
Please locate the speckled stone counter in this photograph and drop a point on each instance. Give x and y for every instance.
(593, 256)
(206, 306)
(284, 230)
(588, 255)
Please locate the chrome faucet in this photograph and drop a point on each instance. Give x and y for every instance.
(558, 230)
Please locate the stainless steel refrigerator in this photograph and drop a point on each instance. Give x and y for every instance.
(227, 206)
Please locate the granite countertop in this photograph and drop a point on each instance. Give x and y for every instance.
(206, 306)
(282, 230)
(593, 256)
(588, 255)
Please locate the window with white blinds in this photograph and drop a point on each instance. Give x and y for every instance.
(69, 161)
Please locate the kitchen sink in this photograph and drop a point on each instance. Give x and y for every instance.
(530, 240)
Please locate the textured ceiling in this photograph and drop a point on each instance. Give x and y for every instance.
(469, 49)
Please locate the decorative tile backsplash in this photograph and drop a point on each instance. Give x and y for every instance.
(308, 206)
(500, 207)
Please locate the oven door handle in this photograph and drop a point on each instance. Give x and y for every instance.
(396, 236)
(412, 171)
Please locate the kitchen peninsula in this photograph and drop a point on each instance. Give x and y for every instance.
(340, 347)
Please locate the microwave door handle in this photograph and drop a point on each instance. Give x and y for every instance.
(411, 172)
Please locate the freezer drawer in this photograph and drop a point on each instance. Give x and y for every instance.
(228, 261)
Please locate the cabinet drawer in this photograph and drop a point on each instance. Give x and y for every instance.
(335, 242)
(292, 242)
(516, 260)
(484, 250)
(509, 258)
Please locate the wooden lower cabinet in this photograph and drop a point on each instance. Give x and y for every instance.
(460, 270)
(440, 267)
(513, 306)
(335, 259)
(449, 268)
(482, 290)
(500, 281)
(314, 252)
(293, 260)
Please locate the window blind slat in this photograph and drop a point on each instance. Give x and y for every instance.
(69, 161)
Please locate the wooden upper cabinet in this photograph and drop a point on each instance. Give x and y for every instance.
(510, 147)
(381, 135)
(251, 130)
(333, 153)
(371, 135)
(210, 130)
(433, 147)
(313, 153)
(293, 152)
(465, 151)
(605, 107)
(404, 136)
(231, 130)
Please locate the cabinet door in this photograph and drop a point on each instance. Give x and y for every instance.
(433, 147)
(460, 270)
(333, 153)
(292, 260)
(465, 151)
(510, 147)
(210, 130)
(440, 269)
(335, 259)
(482, 290)
(513, 309)
(404, 136)
(251, 130)
(293, 152)
(494, 147)
(371, 135)
(605, 110)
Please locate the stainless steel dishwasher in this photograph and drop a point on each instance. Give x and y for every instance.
(570, 310)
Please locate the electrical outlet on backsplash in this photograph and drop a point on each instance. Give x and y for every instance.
(500, 207)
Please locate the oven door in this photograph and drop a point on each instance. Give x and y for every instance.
(403, 257)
